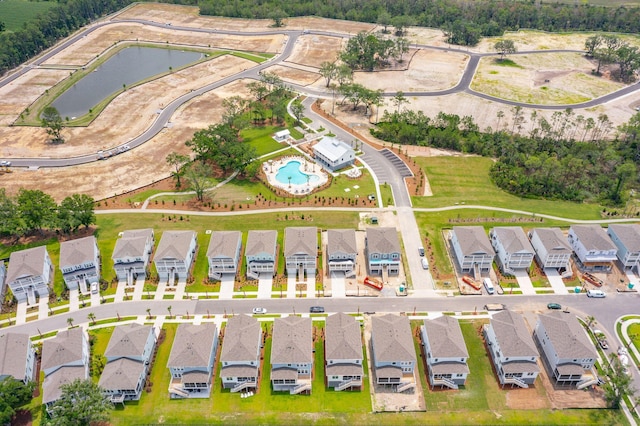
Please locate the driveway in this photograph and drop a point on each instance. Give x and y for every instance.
(265, 286)
(524, 282)
(556, 281)
(226, 286)
(338, 285)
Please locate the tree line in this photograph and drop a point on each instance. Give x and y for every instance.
(58, 22)
(566, 157)
(33, 210)
(610, 49)
(464, 22)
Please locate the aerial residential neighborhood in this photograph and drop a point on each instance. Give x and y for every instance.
(301, 213)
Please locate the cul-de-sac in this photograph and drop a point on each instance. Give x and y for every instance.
(343, 212)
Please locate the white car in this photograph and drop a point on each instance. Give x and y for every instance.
(5, 163)
(259, 310)
(94, 288)
(425, 263)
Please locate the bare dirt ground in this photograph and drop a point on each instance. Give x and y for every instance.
(312, 50)
(428, 70)
(550, 78)
(294, 75)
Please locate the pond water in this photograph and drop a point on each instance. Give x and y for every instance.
(128, 67)
(292, 170)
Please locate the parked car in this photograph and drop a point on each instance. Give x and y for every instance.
(425, 263)
(421, 251)
(94, 288)
(603, 343)
(259, 310)
(554, 306)
(596, 293)
(5, 163)
(316, 309)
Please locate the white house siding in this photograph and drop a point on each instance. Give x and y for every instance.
(627, 240)
(552, 255)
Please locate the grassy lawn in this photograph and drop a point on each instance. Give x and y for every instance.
(100, 339)
(15, 13)
(261, 139)
(465, 180)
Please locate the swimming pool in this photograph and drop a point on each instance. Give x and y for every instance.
(298, 177)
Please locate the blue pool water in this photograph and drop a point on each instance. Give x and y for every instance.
(298, 177)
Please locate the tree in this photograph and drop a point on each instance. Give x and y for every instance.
(51, 119)
(619, 383)
(277, 15)
(623, 173)
(92, 318)
(399, 99)
(233, 106)
(592, 44)
(169, 309)
(504, 47)
(11, 222)
(198, 177)
(384, 19)
(177, 161)
(81, 404)
(76, 210)
(2, 26)
(400, 23)
(258, 89)
(591, 320)
(13, 394)
(219, 144)
(628, 59)
(329, 71)
(70, 322)
(37, 209)
(401, 47)
(297, 109)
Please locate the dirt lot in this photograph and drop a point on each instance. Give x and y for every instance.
(312, 50)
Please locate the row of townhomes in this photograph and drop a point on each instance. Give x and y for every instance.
(592, 247)
(567, 354)
(30, 272)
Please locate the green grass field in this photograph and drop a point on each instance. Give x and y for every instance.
(16, 13)
(465, 180)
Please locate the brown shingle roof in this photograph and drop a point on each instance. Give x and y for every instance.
(241, 339)
(383, 240)
(25, 263)
(261, 242)
(392, 339)
(224, 244)
(14, 349)
(122, 373)
(63, 349)
(132, 243)
(128, 340)
(341, 241)
(593, 237)
(301, 240)
(567, 336)
(445, 338)
(292, 341)
(51, 386)
(77, 252)
(342, 337)
(175, 245)
(512, 335)
(473, 240)
(629, 235)
(192, 345)
(553, 240)
(513, 239)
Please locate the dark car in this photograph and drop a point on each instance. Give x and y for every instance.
(554, 306)
(316, 309)
(603, 343)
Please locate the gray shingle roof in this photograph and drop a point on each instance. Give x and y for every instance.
(14, 349)
(122, 373)
(241, 339)
(192, 345)
(261, 242)
(513, 239)
(593, 237)
(473, 240)
(301, 240)
(383, 240)
(292, 341)
(512, 335)
(553, 240)
(342, 337)
(629, 235)
(445, 338)
(392, 339)
(128, 340)
(175, 245)
(25, 263)
(341, 241)
(224, 244)
(51, 387)
(63, 349)
(132, 243)
(567, 336)
(77, 252)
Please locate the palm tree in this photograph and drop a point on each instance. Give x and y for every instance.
(289, 177)
(92, 317)
(591, 321)
(149, 313)
(169, 309)
(70, 322)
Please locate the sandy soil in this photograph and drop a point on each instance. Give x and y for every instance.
(312, 50)
(295, 75)
(551, 78)
(428, 70)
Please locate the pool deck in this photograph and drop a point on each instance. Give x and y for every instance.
(271, 169)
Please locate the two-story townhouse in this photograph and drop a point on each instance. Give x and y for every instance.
(175, 255)
(626, 238)
(472, 249)
(17, 357)
(132, 254)
(512, 247)
(261, 254)
(552, 249)
(30, 274)
(128, 357)
(223, 253)
(392, 351)
(292, 355)
(80, 263)
(333, 154)
(593, 248)
(65, 358)
(512, 349)
(343, 352)
(301, 250)
(445, 351)
(342, 251)
(192, 359)
(240, 356)
(383, 251)
(568, 353)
